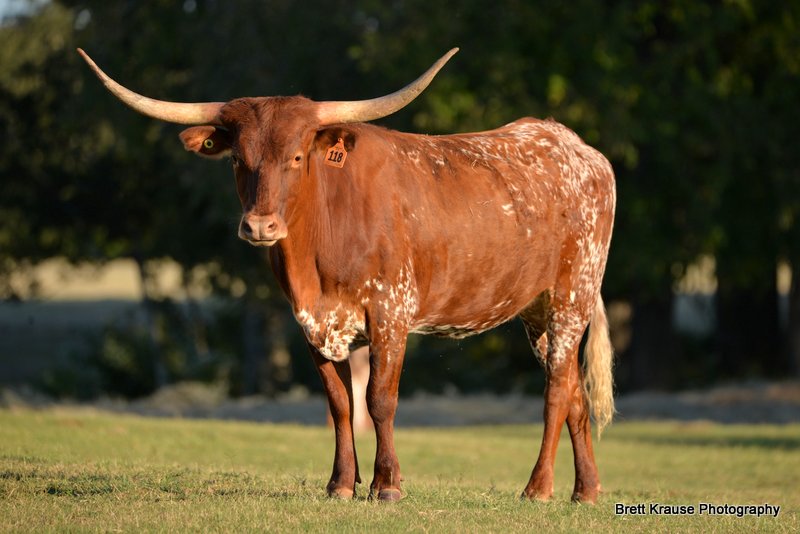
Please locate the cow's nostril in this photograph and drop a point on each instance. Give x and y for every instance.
(247, 230)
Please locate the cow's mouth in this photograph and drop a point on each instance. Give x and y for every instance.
(262, 243)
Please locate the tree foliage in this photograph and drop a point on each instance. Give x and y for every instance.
(695, 103)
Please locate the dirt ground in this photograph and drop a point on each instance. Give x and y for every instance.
(758, 402)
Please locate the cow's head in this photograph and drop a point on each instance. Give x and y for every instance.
(268, 140)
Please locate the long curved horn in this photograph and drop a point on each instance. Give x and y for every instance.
(177, 112)
(367, 110)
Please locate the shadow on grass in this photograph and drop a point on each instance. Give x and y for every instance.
(81, 490)
(172, 485)
(786, 443)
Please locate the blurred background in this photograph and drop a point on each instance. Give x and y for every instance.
(121, 272)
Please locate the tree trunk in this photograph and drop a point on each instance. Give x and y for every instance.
(748, 333)
(277, 373)
(654, 352)
(794, 320)
(196, 326)
(253, 347)
(359, 370)
(160, 377)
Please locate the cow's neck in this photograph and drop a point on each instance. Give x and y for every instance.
(297, 258)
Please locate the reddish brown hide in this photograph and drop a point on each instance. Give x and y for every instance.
(447, 235)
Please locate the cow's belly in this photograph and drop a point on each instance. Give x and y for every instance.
(476, 308)
(461, 323)
(455, 331)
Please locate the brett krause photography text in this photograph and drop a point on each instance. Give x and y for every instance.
(703, 508)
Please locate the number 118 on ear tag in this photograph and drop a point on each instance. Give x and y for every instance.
(336, 155)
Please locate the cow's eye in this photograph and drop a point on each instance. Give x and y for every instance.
(298, 157)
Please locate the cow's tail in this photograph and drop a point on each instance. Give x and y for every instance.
(598, 363)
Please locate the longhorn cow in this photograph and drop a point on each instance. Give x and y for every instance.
(375, 234)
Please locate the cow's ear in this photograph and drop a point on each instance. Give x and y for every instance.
(207, 141)
(328, 137)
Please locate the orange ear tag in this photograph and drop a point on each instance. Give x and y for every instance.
(336, 155)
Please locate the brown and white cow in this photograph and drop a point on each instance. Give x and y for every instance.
(407, 233)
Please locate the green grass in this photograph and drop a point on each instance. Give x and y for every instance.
(81, 470)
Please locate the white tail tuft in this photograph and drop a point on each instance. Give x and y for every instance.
(598, 363)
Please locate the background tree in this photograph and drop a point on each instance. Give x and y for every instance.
(693, 102)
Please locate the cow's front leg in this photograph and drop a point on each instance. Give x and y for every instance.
(387, 349)
(338, 387)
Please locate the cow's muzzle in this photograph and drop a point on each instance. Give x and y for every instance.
(262, 230)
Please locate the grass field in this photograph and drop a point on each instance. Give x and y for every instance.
(82, 470)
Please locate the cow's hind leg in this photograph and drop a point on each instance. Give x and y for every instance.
(596, 380)
(587, 483)
(564, 329)
(337, 382)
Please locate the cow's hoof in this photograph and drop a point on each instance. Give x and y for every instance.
(536, 495)
(586, 493)
(584, 497)
(341, 493)
(389, 495)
